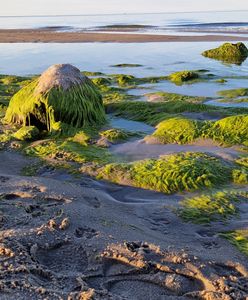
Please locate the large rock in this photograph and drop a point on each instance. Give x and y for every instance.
(60, 94)
(229, 53)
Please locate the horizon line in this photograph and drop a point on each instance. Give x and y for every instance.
(118, 14)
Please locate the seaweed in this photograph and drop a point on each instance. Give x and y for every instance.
(229, 53)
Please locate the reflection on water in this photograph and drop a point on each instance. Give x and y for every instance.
(129, 125)
(138, 150)
(227, 104)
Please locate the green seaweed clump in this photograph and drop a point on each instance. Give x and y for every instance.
(183, 76)
(231, 130)
(115, 135)
(101, 81)
(60, 94)
(26, 133)
(229, 53)
(124, 80)
(234, 93)
(170, 174)
(211, 207)
(177, 131)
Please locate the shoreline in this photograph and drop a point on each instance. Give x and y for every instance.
(46, 36)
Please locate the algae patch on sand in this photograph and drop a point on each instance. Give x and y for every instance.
(169, 174)
(229, 53)
(60, 94)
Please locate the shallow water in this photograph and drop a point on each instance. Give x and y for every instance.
(138, 150)
(129, 125)
(227, 104)
(201, 89)
(157, 58)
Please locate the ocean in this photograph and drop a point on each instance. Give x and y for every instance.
(195, 22)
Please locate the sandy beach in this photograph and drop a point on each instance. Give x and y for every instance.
(50, 36)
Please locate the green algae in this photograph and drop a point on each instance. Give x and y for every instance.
(101, 81)
(239, 238)
(115, 135)
(126, 66)
(92, 73)
(234, 93)
(177, 131)
(221, 80)
(229, 53)
(183, 76)
(216, 206)
(232, 130)
(170, 174)
(153, 113)
(26, 133)
(228, 131)
(68, 150)
(164, 97)
(79, 106)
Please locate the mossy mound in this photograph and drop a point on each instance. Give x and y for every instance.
(183, 76)
(60, 94)
(177, 131)
(231, 130)
(229, 53)
(171, 173)
(234, 93)
(115, 135)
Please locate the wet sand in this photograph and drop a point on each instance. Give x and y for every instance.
(79, 238)
(50, 36)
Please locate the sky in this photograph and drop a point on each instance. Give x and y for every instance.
(81, 7)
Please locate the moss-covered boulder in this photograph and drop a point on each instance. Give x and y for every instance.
(183, 76)
(60, 94)
(229, 53)
(26, 133)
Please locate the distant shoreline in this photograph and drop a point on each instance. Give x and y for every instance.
(49, 36)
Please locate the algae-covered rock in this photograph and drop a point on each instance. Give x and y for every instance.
(26, 133)
(60, 94)
(183, 76)
(229, 53)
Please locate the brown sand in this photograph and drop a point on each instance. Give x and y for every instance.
(67, 238)
(50, 36)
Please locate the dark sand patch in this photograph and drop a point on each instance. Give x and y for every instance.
(50, 36)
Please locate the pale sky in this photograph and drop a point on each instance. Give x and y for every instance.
(58, 7)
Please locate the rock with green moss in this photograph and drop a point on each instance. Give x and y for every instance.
(229, 53)
(100, 81)
(115, 135)
(123, 80)
(176, 131)
(60, 94)
(26, 133)
(183, 76)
